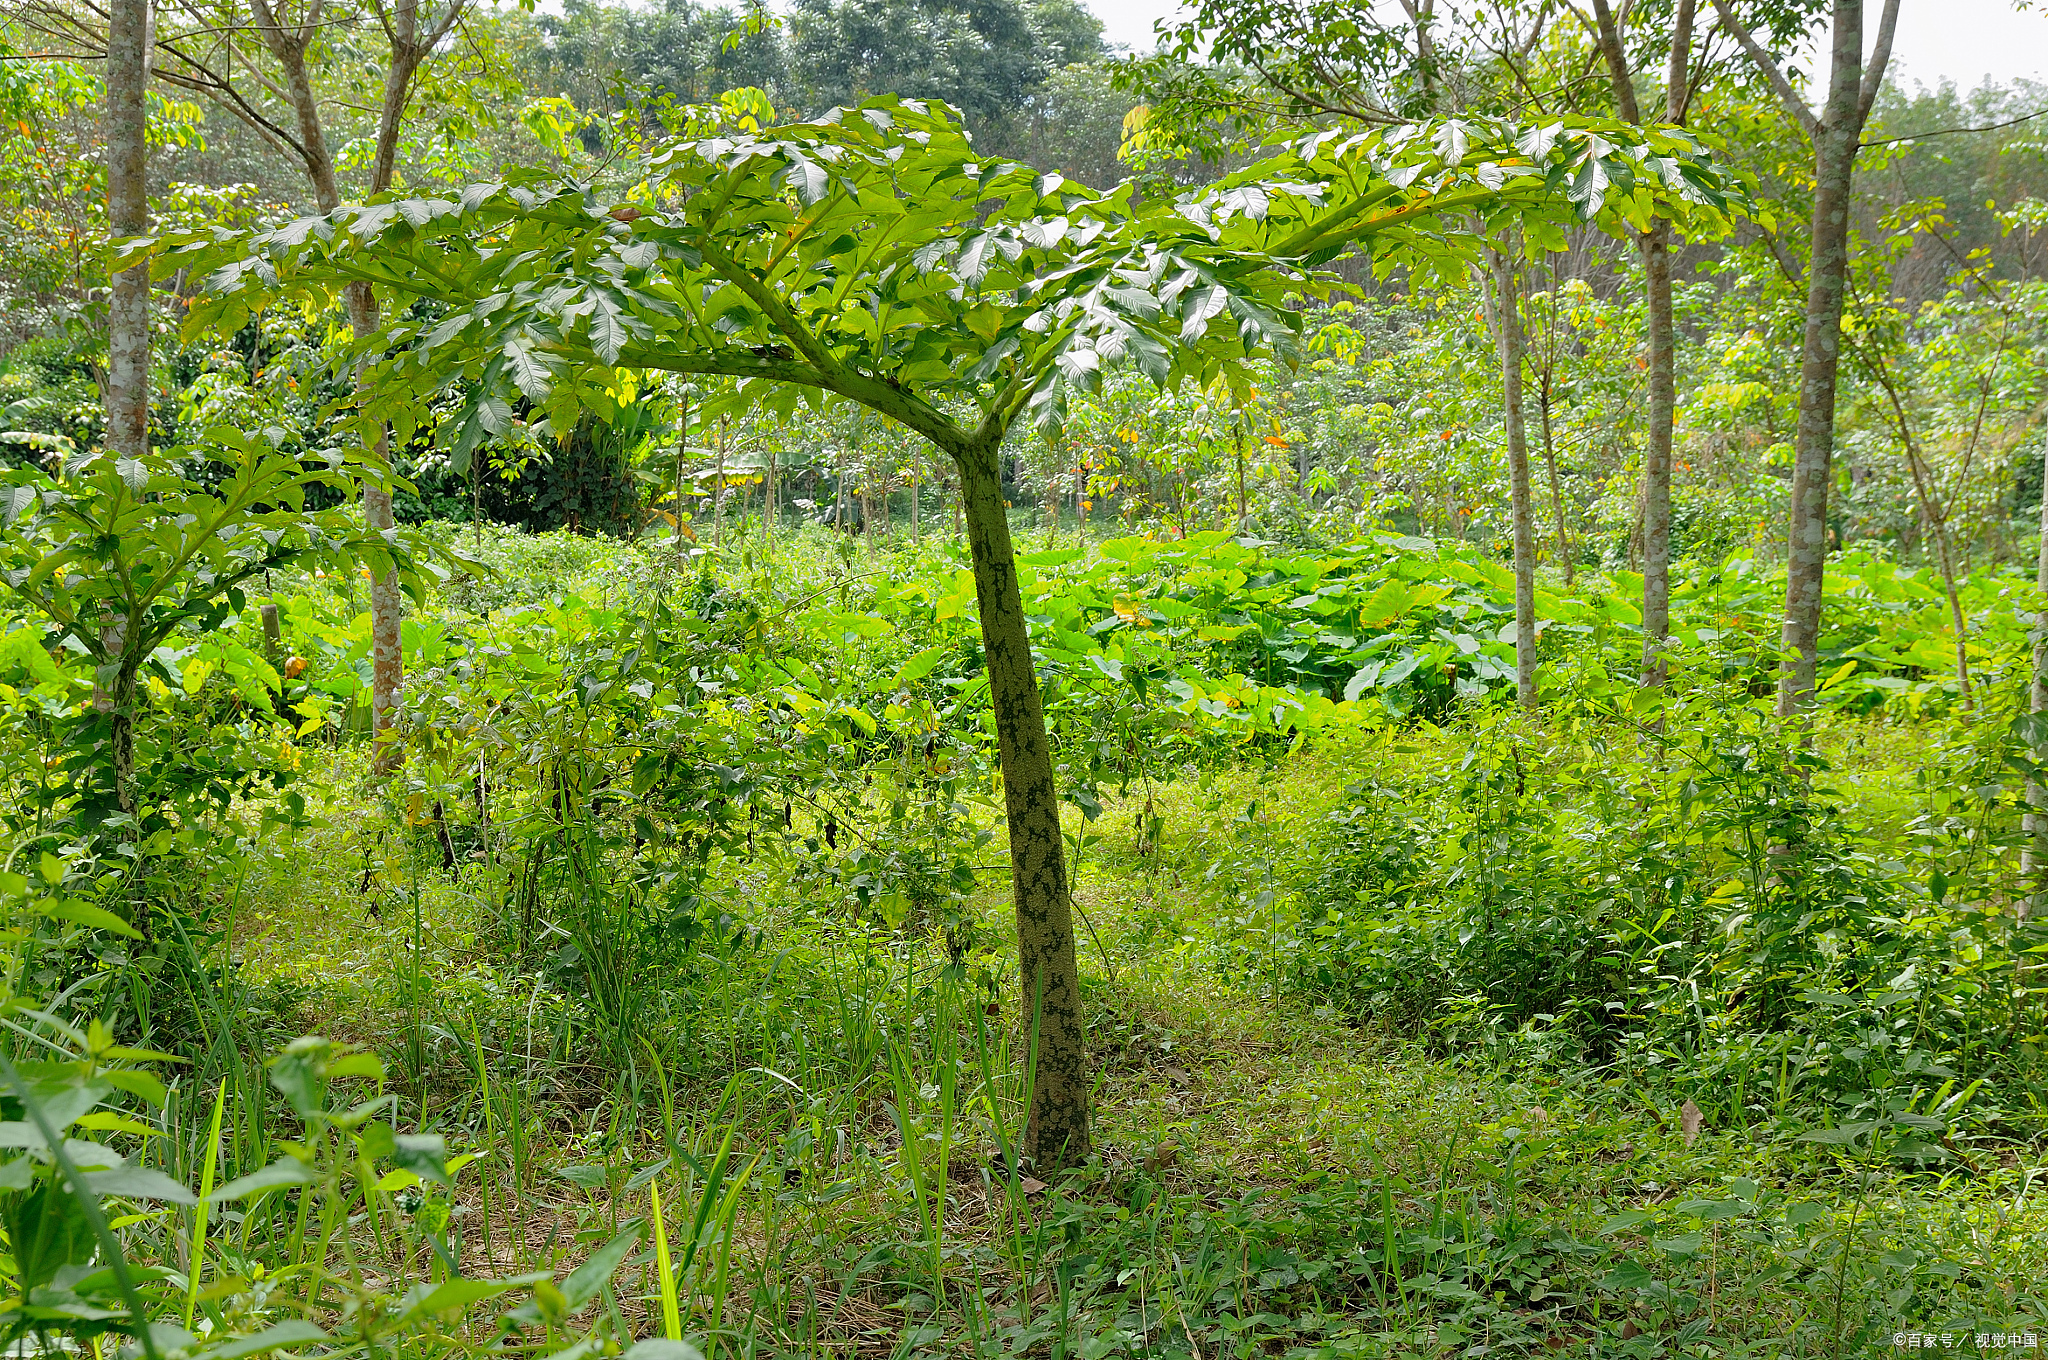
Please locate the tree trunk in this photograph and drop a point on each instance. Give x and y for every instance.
(1655, 246)
(1240, 477)
(124, 120)
(1052, 503)
(867, 502)
(1955, 609)
(1513, 345)
(1081, 501)
(387, 605)
(387, 655)
(682, 452)
(1936, 520)
(408, 48)
(121, 736)
(127, 390)
(1812, 467)
(1835, 134)
(2034, 851)
(1543, 406)
(1056, 1133)
(718, 493)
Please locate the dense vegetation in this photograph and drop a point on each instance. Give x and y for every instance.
(864, 680)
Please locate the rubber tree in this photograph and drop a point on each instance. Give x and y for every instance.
(1835, 134)
(270, 64)
(2034, 851)
(873, 257)
(411, 33)
(1323, 60)
(1660, 326)
(1511, 341)
(126, 391)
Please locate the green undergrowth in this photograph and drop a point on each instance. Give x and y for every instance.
(1639, 1027)
(1282, 1170)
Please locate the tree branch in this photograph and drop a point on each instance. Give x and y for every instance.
(769, 301)
(1678, 71)
(1761, 59)
(1607, 35)
(1880, 57)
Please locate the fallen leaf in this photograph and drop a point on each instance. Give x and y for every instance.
(1031, 1184)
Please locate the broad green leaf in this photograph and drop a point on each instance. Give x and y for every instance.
(584, 1282)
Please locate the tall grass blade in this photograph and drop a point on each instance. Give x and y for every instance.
(671, 1309)
(195, 1259)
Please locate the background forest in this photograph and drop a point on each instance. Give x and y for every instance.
(860, 678)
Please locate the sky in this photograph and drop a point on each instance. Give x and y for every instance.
(1960, 40)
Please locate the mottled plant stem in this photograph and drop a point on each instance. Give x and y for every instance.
(1056, 1133)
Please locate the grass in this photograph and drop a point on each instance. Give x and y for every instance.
(1264, 1162)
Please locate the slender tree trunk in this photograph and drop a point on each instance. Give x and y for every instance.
(1564, 538)
(1932, 515)
(1955, 610)
(1852, 87)
(121, 736)
(1655, 246)
(387, 605)
(1081, 501)
(122, 724)
(917, 499)
(867, 498)
(273, 652)
(126, 397)
(1052, 502)
(1812, 467)
(1663, 340)
(387, 656)
(2034, 851)
(124, 120)
(408, 48)
(1056, 1133)
(118, 703)
(1240, 477)
(1513, 346)
(682, 451)
(768, 505)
